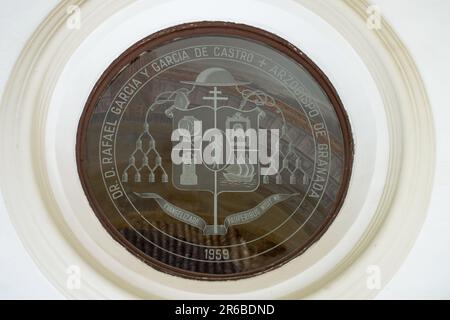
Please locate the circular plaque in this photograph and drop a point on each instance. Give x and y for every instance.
(214, 151)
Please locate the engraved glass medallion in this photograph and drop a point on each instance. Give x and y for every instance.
(214, 151)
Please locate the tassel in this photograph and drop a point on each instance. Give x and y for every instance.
(278, 179)
(137, 177)
(292, 179)
(305, 179)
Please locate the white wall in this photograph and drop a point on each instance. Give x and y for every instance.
(19, 276)
(424, 26)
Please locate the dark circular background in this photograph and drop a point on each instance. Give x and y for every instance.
(170, 245)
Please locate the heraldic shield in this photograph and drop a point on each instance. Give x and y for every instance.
(234, 171)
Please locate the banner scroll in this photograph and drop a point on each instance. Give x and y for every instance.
(196, 221)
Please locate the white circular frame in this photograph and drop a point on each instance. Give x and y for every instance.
(385, 100)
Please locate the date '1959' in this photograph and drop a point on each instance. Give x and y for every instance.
(217, 254)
